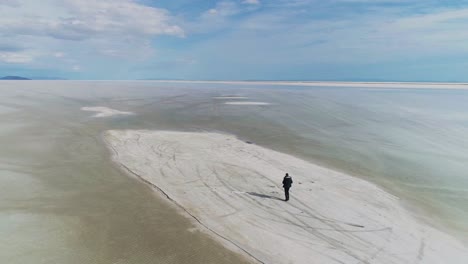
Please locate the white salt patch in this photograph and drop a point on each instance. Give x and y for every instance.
(247, 103)
(234, 189)
(230, 97)
(105, 111)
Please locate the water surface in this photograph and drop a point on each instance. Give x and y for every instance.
(62, 200)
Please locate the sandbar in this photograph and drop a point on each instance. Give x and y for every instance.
(232, 190)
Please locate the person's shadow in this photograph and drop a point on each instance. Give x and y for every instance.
(264, 196)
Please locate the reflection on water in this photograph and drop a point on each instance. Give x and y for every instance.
(62, 200)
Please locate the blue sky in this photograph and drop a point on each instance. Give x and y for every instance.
(388, 40)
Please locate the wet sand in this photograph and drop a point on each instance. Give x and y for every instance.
(232, 190)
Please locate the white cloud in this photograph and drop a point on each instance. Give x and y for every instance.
(13, 57)
(64, 32)
(223, 9)
(289, 37)
(59, 54)
(11, 3)
(108, 34)
(221, 16)
(119, 16)
(450, 19)
(251, 2)
(84, 19)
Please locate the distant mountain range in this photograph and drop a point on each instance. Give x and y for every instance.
(16, 78)
(20, 78)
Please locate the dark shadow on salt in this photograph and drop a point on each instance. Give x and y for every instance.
(264, 196)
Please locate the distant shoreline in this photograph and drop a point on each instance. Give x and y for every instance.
(369, 85)
(389, 85)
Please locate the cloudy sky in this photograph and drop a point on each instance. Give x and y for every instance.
(388, 40)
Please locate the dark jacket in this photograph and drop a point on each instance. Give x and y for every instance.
(287, 181)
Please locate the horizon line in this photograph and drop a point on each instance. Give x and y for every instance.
(245, 81)
(302, 83)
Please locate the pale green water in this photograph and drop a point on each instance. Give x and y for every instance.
(63, 201)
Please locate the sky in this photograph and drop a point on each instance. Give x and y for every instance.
(344, 40)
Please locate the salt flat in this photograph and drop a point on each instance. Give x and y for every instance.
(233, 190)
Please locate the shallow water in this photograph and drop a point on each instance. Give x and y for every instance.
(62, 200)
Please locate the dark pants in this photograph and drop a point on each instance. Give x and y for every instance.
(286, 192)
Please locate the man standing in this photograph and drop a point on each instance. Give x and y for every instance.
(287, 181)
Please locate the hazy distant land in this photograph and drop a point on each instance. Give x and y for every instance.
(14, 78)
